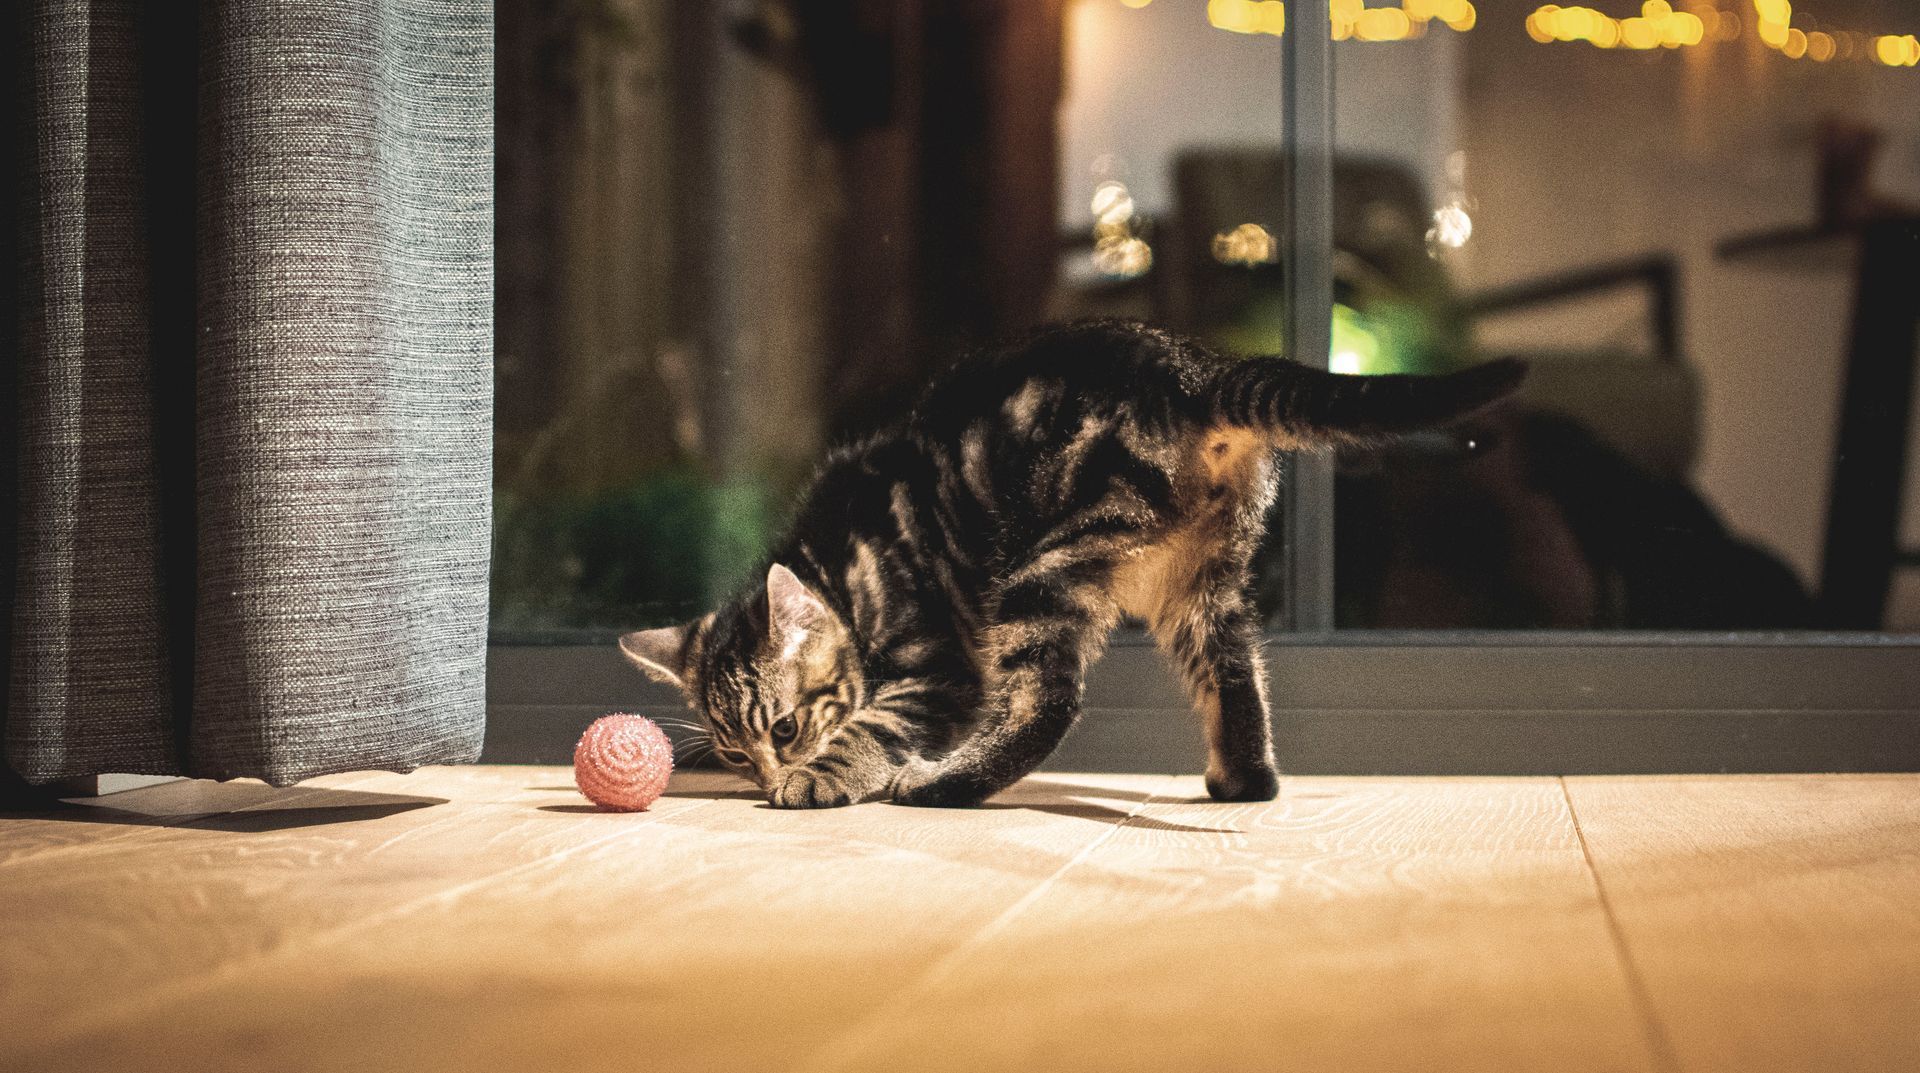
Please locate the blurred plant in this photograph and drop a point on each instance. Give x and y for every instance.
(661, 550)
(1384, 335)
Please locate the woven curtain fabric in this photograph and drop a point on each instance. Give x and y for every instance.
(251, 441)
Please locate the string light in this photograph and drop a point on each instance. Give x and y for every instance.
(1352, 20)
(1894, 51)
(1775, 27)
(1775, 22)
(1248, 16)
(1657, 26)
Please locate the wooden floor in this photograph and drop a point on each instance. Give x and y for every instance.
(467, 919)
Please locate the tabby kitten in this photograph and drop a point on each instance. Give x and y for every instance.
(924, 629)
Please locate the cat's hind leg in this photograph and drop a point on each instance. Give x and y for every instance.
(1212, 634)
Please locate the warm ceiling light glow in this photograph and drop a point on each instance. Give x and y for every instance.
(1796, 44)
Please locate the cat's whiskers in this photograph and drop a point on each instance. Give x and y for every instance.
(696, 748)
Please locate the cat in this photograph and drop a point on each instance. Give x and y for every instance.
(923, 629)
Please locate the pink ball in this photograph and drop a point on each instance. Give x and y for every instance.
(622, 762)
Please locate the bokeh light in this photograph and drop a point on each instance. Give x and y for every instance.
(1452, 227)
(1248, 244)
(1123, 258)
(1657, 26)
(1352, 20)
(1903, 51)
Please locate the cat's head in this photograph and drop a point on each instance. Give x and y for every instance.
(773, 675)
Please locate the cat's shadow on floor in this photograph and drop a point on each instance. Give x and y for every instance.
(1070, 805)
(1088, 810)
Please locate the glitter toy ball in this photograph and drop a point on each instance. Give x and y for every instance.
(622, 762)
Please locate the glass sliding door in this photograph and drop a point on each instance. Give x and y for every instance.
(732, 235)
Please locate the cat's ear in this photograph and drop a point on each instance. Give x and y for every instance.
(794, 613)
(662, 653)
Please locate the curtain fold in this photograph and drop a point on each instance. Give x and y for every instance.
(252, 436)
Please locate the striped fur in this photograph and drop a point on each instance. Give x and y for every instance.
(925, 627)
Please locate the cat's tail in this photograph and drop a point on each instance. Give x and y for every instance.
(1313, 405)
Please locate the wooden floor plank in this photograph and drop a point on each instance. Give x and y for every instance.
(488, 918)
(130, 918)
(1774, 921)
(729, 938)
(1352, 925)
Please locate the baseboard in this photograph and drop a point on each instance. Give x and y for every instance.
(1513, 707)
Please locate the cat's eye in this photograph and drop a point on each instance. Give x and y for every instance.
(784, 728)
(733, 757)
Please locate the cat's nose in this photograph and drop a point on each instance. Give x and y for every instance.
(766, 766)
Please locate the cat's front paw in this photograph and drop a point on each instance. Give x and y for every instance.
(806, 788)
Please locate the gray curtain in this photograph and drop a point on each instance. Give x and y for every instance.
(250, 441)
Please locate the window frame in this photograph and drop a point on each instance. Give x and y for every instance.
(1364, 702)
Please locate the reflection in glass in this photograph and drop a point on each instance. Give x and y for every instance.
(732, 235)
(1684, 214)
